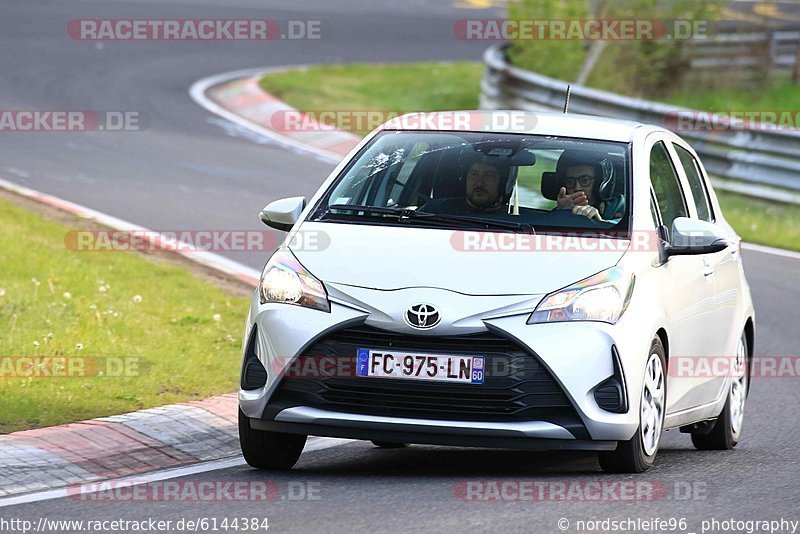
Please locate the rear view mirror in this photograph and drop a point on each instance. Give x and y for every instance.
(282, 214)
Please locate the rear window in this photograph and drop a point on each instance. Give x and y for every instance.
(453, 179)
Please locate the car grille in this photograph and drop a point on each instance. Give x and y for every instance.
(516, 386)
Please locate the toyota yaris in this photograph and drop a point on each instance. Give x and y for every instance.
(569, 282)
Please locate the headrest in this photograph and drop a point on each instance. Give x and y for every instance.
(550, 185)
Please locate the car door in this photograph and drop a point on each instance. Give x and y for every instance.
(722, 267)
(687, 294)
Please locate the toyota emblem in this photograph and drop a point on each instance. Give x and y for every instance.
(422, 316)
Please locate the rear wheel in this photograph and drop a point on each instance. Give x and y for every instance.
(638, 453)
(263, 449)
(725, 433)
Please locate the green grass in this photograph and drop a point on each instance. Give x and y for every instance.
(54, 301)
(779, 95)
(397, 88)
(433, 86)
(761, 221)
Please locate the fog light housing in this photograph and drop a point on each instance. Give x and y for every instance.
(254, 376)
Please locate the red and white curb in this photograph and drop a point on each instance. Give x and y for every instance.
(118, 446)
(237, 97)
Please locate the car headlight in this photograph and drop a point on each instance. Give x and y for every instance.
(285, 281)
(601, 297)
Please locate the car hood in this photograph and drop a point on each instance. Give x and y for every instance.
(472, 263)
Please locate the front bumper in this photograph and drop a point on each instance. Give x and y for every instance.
(535, 435)
(577, 357)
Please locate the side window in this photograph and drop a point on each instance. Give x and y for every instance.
(665, 183)
(695, 180)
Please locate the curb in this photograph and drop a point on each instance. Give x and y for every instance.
(119, 445)
(237, 97)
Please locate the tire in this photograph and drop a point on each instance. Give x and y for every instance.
(389, 444)
(268, 450)
(727, 429)
(638, 453)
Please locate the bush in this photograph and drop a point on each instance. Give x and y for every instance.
(645, 68)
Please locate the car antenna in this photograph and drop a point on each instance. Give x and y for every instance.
(566, 98)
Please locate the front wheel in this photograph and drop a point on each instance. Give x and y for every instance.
(638, 453)
(727, 429)
(263, 449)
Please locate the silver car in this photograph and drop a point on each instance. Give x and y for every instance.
(513, 280)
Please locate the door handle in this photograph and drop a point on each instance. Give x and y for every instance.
(708, 269)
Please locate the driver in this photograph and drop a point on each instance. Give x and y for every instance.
(485, 186)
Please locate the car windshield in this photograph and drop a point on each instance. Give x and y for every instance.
(504, 182)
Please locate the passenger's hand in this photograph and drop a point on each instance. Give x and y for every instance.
(588, 211)
(566, 201)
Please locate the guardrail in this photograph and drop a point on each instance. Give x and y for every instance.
(746, 55)
(751, 162)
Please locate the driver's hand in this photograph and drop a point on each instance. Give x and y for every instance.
(587, 211)
(566, 201)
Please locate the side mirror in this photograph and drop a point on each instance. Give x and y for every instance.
(282, 214)
(691, 236)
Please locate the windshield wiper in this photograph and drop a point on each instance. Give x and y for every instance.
(373, 210)
(479, 221)
(408, 214)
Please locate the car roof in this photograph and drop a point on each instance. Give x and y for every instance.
(522, 122)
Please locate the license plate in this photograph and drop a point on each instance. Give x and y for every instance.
(434, 367)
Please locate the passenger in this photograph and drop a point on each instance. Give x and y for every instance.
(587, 186)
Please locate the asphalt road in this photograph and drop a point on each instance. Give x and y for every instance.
(185, 171)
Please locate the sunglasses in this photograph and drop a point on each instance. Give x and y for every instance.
(584, 180)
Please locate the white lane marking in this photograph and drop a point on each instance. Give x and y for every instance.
(18, 172)
(313, 444)
(209, 259)
(198, 93)
(791, 254)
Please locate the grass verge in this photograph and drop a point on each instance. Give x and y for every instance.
(436, 86)
(781, 94)
(761, 221)
(397, 88)
(137, 332)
